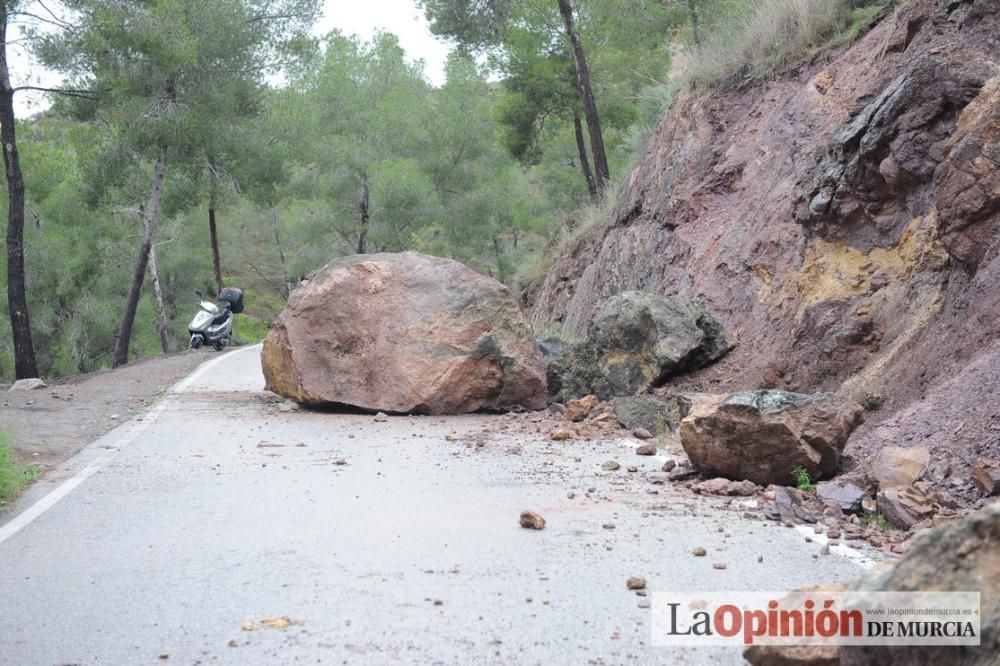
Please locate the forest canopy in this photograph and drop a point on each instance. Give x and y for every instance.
(196, 144)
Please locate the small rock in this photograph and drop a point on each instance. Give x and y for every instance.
(578, 410)
(844, 494)
(719, 565)
(610, 466)
(896, 466)
(683, 474)
(648, 449)
(905, 507)
(608, 526)
(33, 384)
(669, 465)
(560, 434)
(557, 409)
(642, 433)
(636, 583)
(717, 486)
(531, 520)
(743, 488)
(381, 417)
(986, 474)
(699, 552)
(632, 468)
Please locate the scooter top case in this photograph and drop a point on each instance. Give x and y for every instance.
(234, 297)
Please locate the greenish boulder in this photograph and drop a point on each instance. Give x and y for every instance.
(637, 341)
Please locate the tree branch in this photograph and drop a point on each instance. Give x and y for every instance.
(68, 92)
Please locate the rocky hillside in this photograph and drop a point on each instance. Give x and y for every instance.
(842, 222)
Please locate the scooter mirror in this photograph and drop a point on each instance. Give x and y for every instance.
(200, 295)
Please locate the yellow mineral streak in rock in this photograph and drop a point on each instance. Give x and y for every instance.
(835, 271)
(764, 276)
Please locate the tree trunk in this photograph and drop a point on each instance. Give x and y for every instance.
(363, 232)
(586, 97)
(150, 222)
(17, 300)
(213, 233)
(581, 147)
(693, 15)
(161, 314)
(281, 255)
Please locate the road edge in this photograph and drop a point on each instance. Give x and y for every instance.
(93, 457)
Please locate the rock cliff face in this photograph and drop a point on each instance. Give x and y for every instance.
(841, 222)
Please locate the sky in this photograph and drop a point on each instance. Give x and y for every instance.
(352, 17)
(400, 17)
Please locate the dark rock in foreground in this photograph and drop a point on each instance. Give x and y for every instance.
(404, 333)
(963, 555)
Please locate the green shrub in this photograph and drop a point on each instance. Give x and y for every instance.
(13, 476)
(803, 480)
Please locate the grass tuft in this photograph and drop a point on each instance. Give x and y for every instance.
(803, 480)
(14, 477)
(772, 35)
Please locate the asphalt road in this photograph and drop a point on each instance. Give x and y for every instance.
(172, 538)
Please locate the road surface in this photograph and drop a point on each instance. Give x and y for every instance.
(173, 538)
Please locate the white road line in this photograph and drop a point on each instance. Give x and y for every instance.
(131, 432)
(185, 384)
(853, 554)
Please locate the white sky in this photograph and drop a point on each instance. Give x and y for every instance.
(353, 17)
(400, 17)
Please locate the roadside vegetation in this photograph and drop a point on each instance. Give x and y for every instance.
(193, 169)
(754, 41)
(14, 477)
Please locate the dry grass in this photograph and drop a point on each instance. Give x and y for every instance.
(572, 227)
(768, 37)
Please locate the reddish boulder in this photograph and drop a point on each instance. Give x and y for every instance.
(762, 436)
(404, 333)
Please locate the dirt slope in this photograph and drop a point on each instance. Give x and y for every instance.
(50, 425)
(843, 224)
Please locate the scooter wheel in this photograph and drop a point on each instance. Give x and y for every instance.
(196, 341)
(219, 346)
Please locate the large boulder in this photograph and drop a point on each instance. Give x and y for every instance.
(404, 333)
(636, 341)
(963, 555)
(764, 435)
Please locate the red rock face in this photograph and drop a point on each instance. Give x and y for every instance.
(842, 222)
(404, 333)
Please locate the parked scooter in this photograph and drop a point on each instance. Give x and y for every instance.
(213, 324)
